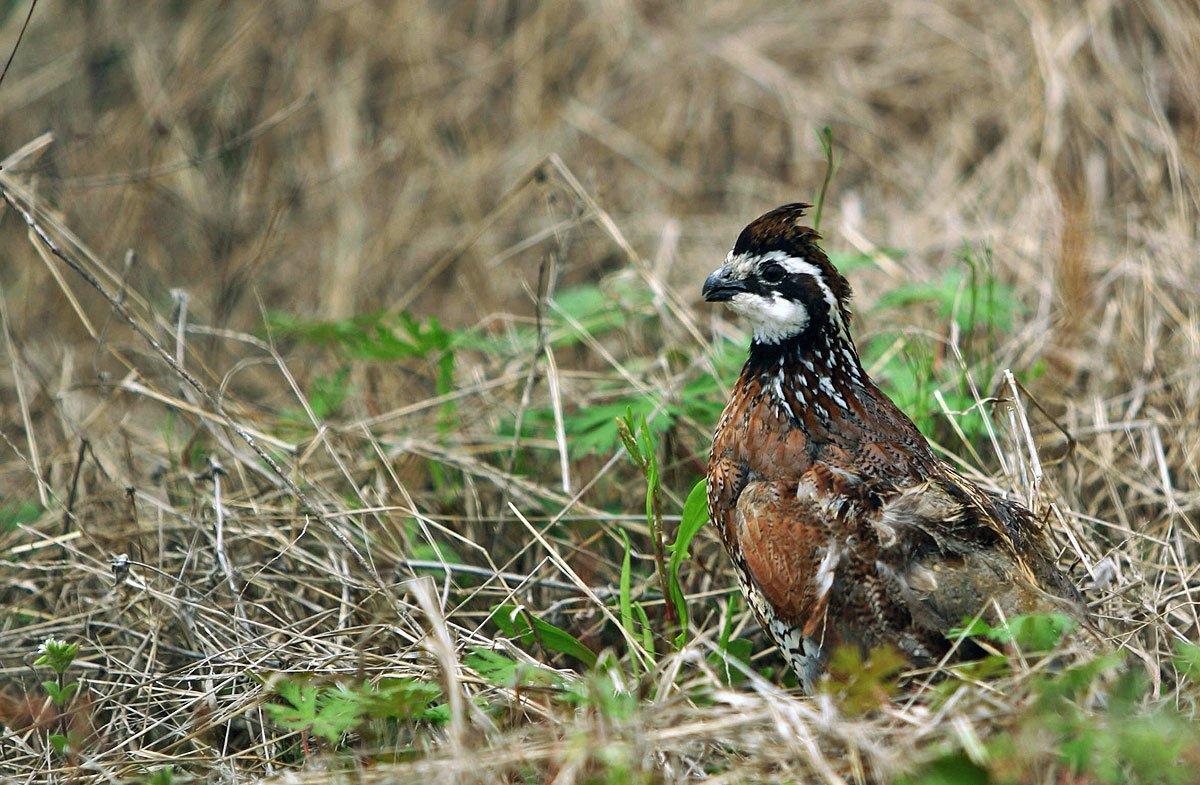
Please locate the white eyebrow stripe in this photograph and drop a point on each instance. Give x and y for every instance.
(743, 263)
(795, 265)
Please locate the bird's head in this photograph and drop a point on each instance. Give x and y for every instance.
(780, 280)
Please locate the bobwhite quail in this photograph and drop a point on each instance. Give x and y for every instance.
(843, 525)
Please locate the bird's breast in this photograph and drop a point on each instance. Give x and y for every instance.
(761, 434)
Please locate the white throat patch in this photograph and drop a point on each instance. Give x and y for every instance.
(773, 318)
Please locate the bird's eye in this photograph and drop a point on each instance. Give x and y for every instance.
(772, 273)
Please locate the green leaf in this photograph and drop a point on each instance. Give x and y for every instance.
(162, 776)
(59, 742)
(331, 711)
(1077, 752)
(912, 368)
(1035, 632)
(599, 691)
(849, 261)
(425, 547)
(297, 694)
(506, 672)
(301, 710)
(647, 630)
(591, 307)
(17, 514)
(594, 311)
(493, 667)
(328, 393)
(860, 685)
(592, 429)
(325, 712)
(1032, 632)
(402, 699)
(624, 598)
(516, 624)
(437, 715)
(989, 667)
(952, 769)
(1073, 682)
(626, 428)
(60, 695)
(340, 711)
(695, 515)
(56, 655)
(731, 649)
(736, 650)
(973, 300)
(371, 336)
(971, 628)
(1187, 658)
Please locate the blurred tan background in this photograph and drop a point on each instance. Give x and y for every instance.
(322, 156)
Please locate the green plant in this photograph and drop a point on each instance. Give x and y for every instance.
(426, 547)
(164, 775)
(593, 430)
(1187, 659)
(15, 514)
(603, 691)
(58, 656)
(638, 441)
(1031, 632)
(912, 369)
(1096, 721)
(327, 393)
(732, 650)
(324, 712)
(633, 614)
(379, 337)
(517, 623)
(954, 768)
(861, 684)
(695, 515)
(825, 137)
(502, 671)
(331, 711)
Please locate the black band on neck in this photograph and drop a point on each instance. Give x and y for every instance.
(820, 348)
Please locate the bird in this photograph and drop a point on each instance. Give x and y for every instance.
(843, 526)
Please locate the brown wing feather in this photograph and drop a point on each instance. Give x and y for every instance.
(887, 564)
(786, 534)
(949, 553)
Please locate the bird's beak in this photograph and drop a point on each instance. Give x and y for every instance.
(721, 286)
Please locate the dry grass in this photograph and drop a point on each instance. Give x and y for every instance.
(210, 162)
